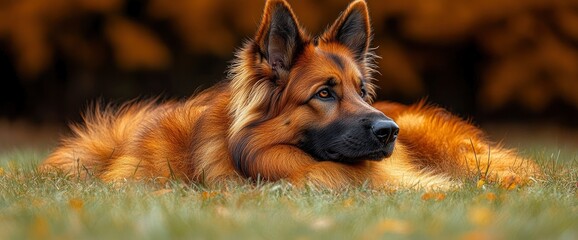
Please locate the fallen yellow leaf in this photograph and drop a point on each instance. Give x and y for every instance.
(76, 204)
(478, 235)
(348, 202)
(491, 196)
(208, 195)
(480, 216)
(433, 196)
(480, 183)
(393, 226)
(40, 228)
(1, 171)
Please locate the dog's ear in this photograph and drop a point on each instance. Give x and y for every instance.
(279, 37)
(352, 29)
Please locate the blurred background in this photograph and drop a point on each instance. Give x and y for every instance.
(506, 64)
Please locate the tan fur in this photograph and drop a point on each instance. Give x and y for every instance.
(248, 127)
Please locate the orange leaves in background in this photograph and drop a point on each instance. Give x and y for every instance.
(100, 5)
(136, 47)
(534, 77)
(25, 24)
(199, 23)
(398, 71)
(529, 48)
(36, 28)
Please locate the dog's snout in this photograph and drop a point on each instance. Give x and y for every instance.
(385, 130)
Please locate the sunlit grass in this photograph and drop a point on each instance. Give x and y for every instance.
(34, 205)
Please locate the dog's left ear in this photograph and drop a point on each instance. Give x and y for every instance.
(279, 37)
(352, 29)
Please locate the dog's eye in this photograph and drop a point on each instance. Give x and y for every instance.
(324, 94)
(363, 93)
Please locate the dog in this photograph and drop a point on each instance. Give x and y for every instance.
(294, 108)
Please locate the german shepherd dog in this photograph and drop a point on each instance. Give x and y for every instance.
(293, 108)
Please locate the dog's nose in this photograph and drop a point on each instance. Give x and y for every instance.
(385, 130)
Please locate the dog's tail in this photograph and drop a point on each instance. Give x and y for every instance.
(104, 136)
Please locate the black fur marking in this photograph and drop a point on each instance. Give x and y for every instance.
(316, 41)
(331, 82)
(348, 139)
(240, 156)
(337, 60)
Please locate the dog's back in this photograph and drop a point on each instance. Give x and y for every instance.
(146, 140)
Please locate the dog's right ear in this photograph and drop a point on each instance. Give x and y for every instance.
(352, 29)
(279, 37)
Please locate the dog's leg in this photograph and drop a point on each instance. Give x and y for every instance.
(441, 143)
(292, 164)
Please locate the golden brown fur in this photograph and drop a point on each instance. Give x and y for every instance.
(251, 125)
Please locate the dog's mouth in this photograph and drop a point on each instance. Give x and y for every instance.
(348, 151)
(331, 154)
(348, 156)
(349, 141)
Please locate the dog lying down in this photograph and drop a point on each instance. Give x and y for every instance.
(294, 108)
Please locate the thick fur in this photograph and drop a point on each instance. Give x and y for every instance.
(252, 126)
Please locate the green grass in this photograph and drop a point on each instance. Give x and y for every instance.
(34, 205)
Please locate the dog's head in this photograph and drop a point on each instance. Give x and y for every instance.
(314, 93)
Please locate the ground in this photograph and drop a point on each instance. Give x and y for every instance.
(34, 205)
